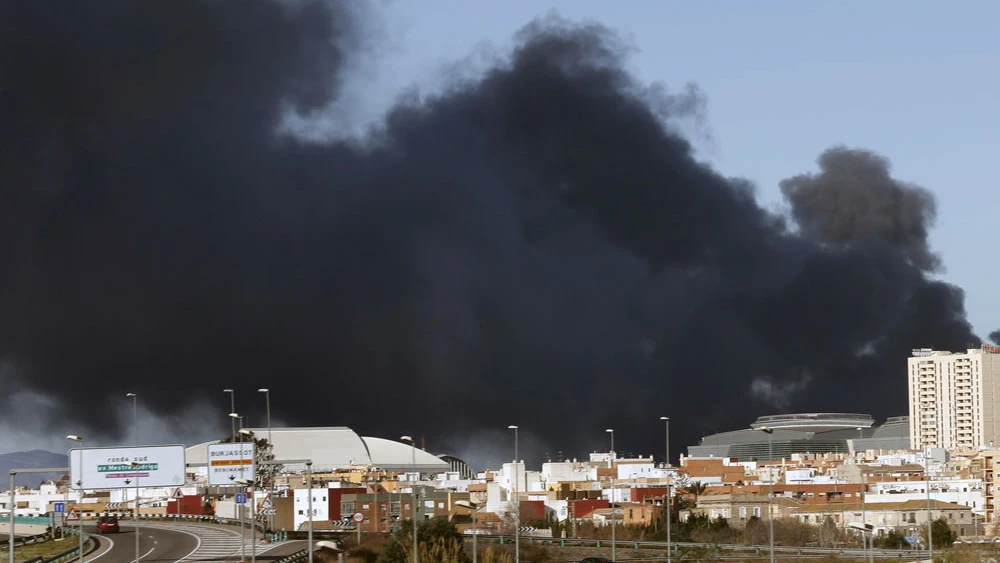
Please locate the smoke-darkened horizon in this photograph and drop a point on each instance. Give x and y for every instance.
(536, 246)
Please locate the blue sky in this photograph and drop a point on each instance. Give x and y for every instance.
(913, 80)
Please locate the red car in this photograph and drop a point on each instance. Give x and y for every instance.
(107, 525)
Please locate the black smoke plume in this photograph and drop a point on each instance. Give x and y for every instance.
(854, 197)
(533, 247)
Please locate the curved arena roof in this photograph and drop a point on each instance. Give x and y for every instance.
(815, 421)
(337, 447)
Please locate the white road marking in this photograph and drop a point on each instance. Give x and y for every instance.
(143, 555)
(105, 552)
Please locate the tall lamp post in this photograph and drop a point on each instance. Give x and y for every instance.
(270, 444)
(864, 511)
(770, 494)
(413, 500)
(517, 501)
(250, 499)
(79, 485)
(930, 521)
(473, 508)
(135, 431)
(611, 462)
(666, 419)
(232, 409)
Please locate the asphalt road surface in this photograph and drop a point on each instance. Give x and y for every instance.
(155, 545)
(188, 543)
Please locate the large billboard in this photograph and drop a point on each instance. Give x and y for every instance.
(228, 462)
(109, 468)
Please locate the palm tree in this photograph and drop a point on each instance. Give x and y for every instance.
(695, 488)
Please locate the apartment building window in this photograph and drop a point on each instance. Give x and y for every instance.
(347, 508)
(364, 507)
(394, 507)
(743, 513)
(756, 511)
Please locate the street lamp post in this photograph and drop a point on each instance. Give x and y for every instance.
(864, 512)
(517, 500)
(309, 478)
(611, 462)
(413, 499)
(770, 494)
(135, 431)
(79, 484)
(930, 521)
(247, 486)
(666, 419)
(232, 409)
(250, 498)
(270, 444)
(473, 508)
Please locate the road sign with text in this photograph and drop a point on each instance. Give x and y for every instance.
(122, 468)
(228, 462)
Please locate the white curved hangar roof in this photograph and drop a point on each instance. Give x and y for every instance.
(336, 447)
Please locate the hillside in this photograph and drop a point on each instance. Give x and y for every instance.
(28, 460)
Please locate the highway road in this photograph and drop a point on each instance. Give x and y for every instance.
(172, 543)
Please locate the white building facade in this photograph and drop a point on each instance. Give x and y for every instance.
(953, 398)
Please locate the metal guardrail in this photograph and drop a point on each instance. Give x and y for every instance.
(677, 546)
(25, 540)
(296, 557)
(72, 552)
(31, 520)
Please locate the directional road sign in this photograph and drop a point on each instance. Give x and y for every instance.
(241, 498)
(228, 462)
(59, 506)
(268, 512)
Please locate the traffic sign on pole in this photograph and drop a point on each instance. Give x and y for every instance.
(72, 516)
(178, 493)
(59, 507)
(241, 498)
(267, 503)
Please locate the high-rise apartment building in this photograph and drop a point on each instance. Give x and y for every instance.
(954, 398)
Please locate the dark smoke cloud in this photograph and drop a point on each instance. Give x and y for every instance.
(854, 197)
(536, 247)
(995, 337)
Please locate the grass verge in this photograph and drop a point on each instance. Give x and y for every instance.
(45, 549)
